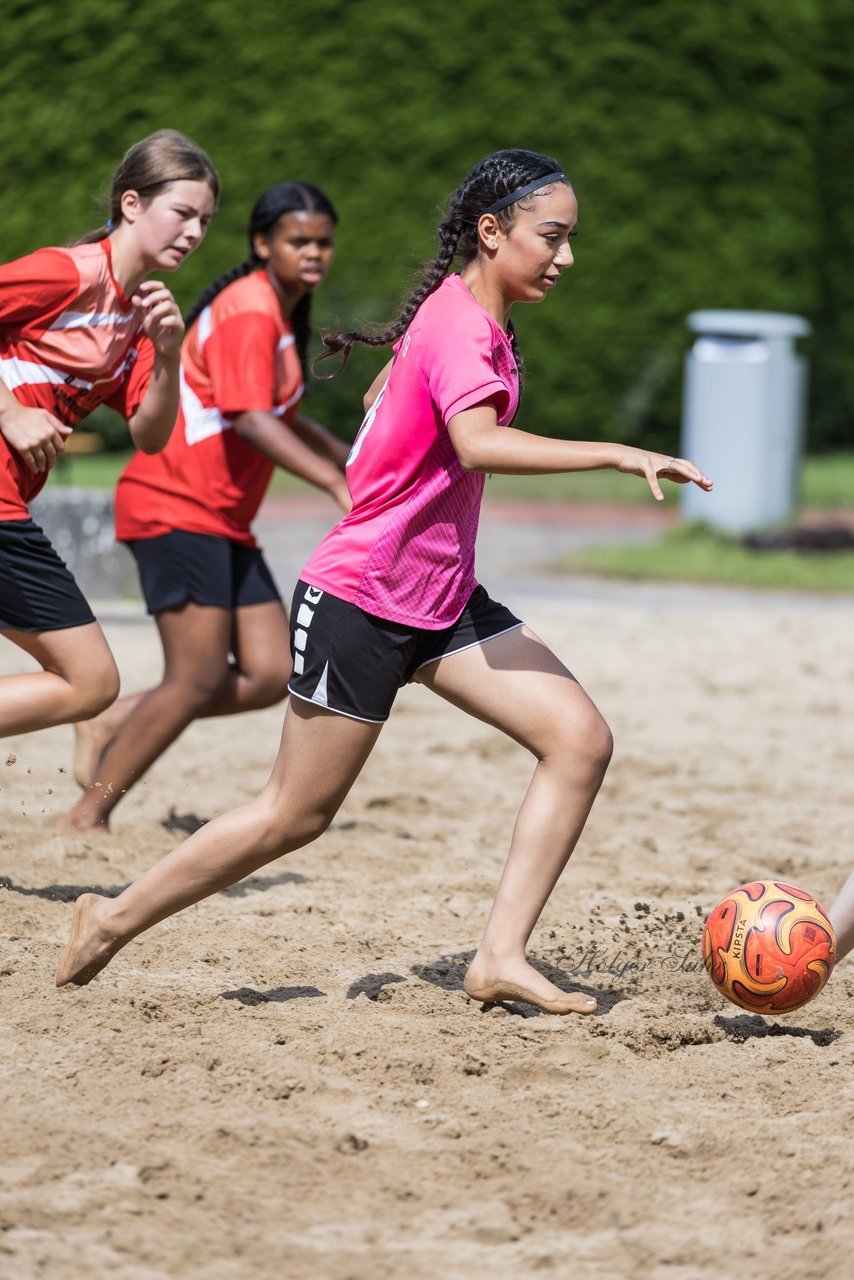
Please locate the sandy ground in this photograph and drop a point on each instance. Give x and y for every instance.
(287, 1080)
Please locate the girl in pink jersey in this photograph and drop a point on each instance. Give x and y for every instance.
(390, 596)
(186, 512)
(842, 918)
(79, 327)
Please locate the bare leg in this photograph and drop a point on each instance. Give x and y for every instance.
(258, 677)
(197, 681)
(93, 737)
(516, 684)
(320, 757)
(78, 679)
(842, 918)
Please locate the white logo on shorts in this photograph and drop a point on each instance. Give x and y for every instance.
(303, 622)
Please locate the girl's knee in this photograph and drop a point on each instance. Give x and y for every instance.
(585, 740)
(202, 687)
(286, 824)
(603, 744)
(97, 692)
(268, 689)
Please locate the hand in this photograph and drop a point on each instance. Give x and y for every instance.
(639, 462)
(36, 435)
(341, 494)
(162, 321)
(341, 452)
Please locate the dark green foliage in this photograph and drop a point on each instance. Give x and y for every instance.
(710, 147)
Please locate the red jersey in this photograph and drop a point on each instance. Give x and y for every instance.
(69, 341)
(239, 356)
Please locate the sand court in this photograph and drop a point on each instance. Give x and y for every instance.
(287, 1080)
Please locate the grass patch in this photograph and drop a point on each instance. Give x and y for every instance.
(89, 470)
(828, 480)
(694, 553)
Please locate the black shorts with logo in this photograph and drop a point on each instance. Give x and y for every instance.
(354, 663)
(37, 589)
(181, 568)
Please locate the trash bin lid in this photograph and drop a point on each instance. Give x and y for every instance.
(749, 324)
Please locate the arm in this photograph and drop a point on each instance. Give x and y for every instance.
(265, 432)
(842, 917)
(36, 434)
(152, 423)
(42, 283)
(482, 445)
(321, 441)
(377, 385)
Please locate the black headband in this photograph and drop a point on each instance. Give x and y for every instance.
(525, 191)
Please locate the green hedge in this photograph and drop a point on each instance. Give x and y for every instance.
(709, 145)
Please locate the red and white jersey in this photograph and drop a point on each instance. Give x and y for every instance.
(239, 356)
(69, 341)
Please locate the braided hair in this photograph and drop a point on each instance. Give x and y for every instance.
(285, 197)
(497, 176)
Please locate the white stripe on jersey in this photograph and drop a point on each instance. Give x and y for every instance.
(24, 373)
(200, 423)
(205, 324)
(91, 319)
(283, 408)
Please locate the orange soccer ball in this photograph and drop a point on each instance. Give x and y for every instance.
(769, 947)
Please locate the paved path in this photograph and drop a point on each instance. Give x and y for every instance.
(517, 543)
(517, 540)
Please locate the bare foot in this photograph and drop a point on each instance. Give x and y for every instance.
(91, 813)
(518, 980)
(89, 947)
(91, 739)
(70, 822)
(84, 817)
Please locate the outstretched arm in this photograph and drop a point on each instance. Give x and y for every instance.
(321, 441)
(283, 446)
(482, 445)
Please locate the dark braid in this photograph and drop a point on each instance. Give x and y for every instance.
(228, 277)
(498, 175)
(300, 323)
(285, 197)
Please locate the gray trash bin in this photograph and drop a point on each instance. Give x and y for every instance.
(743, 417)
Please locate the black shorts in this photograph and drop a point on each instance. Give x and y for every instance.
(180, 568)
(37, 589)
(354, 663)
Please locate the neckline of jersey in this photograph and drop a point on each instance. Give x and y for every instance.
(107, 249)
(456, 279)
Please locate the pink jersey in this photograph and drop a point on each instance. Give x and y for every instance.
(405, 552)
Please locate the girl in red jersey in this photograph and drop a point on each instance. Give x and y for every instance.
(79, 327)
(438, 419)
(186, 513)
